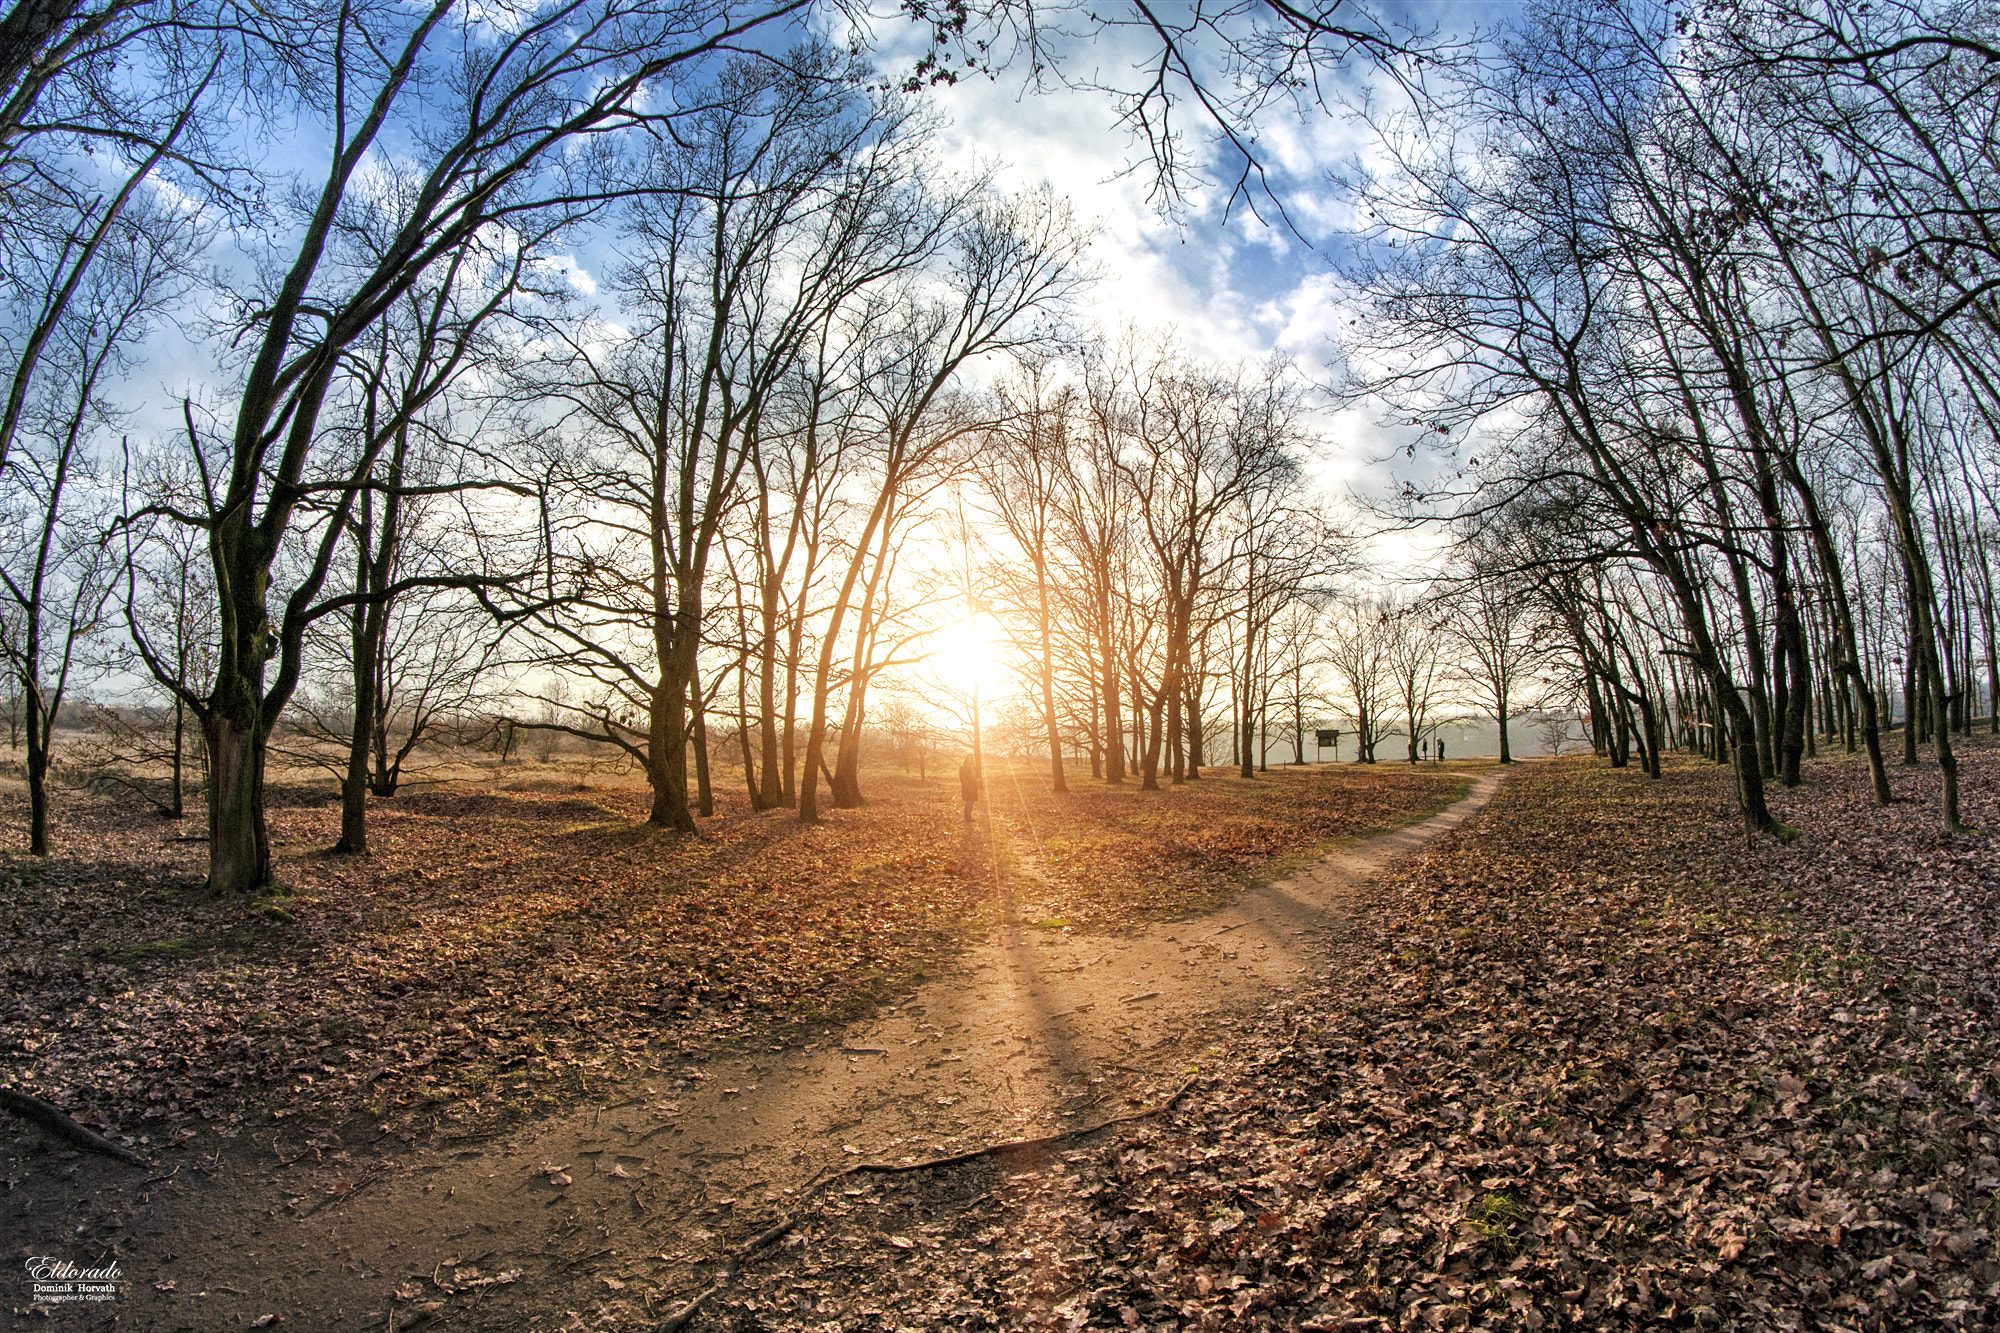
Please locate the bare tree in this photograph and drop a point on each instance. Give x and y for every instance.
(488, 193)
(55, 570)
(785, 204)
(1011, 263)
(1487, 616)
(1359, 637)
(1416, 665)
(168, 606)
(1023, 477)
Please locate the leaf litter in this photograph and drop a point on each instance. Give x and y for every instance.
(1591, 1062)
(502, 954)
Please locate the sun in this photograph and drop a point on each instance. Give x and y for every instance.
(966, 655)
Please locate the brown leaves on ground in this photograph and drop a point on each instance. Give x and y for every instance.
(1105, 856)
(1594, 1063)
(502, 952)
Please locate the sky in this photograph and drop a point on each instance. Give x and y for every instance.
(1235, 285)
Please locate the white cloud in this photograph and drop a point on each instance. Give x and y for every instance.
(578, 277)
(1236, 284)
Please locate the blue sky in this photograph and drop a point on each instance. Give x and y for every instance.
(1233, 285)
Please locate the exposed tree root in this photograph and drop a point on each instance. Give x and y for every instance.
(1012, 1145)
(53, 1120)
(680, 1318)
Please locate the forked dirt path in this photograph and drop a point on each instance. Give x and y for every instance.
(609, 1218)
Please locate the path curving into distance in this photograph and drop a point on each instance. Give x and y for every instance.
(608, 1217)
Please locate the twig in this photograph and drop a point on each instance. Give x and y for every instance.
(681, 1317)
(53, 1120)
(763, 1238)
(586, 1258)
(1081, 966)
(345, 1195)
(664, 1124)
(678, 1320)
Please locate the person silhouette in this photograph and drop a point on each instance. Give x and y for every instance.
(969, 784)
(1440, 750)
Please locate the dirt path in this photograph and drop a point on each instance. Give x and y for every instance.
(607, 1218)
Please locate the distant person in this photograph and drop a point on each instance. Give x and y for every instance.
(1440, 749)
(969, 784)
(1426, 746)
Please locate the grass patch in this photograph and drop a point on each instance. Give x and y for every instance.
(139, 953)
(1494, 1217)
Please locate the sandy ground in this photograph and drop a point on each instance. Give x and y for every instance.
(611, 1217)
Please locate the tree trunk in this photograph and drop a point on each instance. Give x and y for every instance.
(1058, 783)
(749, 764)
(177, 797)
(1299, 718)
(1094, 737)
(788, 737)
(846, 779)
(1247, 735)
(1149, 764)
(1107, 665)
(1989, 633)
(1849, 667)
(1197, 752)
(1649, 716)
(1793, 736)
(698, 733)
(770, 793)
(239, 849)
(815, 757)
(40, 727)
(666, 756)
(1910, 701)
(1931, 678)
(354, 785)
(750, 780)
